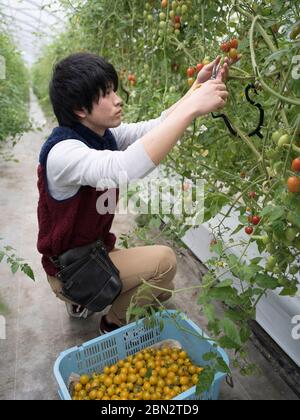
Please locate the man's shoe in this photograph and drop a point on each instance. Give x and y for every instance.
(107, 327)
(78, 312)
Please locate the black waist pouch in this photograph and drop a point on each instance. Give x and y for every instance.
(89, 277)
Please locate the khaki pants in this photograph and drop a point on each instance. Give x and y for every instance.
(156, 264)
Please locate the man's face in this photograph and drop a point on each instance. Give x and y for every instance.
(106, 113)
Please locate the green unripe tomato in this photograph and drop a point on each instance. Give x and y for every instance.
(285, 139)
(184, 9)
(276, 136)
(150, 18)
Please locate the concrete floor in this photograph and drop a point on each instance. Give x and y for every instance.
(37, 325)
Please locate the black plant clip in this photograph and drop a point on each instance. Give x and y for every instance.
(227, 122)
(257, 131)
(251, 86)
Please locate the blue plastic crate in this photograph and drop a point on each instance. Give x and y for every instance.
(107, 350)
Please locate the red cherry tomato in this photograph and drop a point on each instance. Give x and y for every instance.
(294, 184)
(131, 78)
(190, 72)
(200, 67)
(225, 47)
(234, 43)
(249, 230)
(256, 220)
(296, 165)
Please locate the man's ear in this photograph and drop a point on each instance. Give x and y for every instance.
(81, 114)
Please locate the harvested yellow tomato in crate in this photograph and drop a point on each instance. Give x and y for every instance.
(140, 362)
(151, 374)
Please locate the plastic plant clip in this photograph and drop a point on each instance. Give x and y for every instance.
(257, 130)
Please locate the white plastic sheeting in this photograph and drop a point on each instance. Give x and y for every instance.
(32, 23)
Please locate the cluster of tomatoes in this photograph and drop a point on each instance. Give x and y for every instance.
(132, 79)
(253, 219)
(171, 17)
(175, 22)
(151, 374)
(178, 9)
(231, 47)
(192, 71)
(284, 140)
(294, 181)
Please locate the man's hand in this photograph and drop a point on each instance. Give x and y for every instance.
(211, 97)
(206, 73)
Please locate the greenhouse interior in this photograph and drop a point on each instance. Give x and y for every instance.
(170, 272)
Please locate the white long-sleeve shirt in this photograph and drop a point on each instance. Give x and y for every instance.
(71, 164)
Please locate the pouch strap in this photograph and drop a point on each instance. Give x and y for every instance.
(55, 262)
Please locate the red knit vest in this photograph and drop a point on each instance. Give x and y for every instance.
(70, 223)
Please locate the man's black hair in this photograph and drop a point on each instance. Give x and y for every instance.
(78, 81)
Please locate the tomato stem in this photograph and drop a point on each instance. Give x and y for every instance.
(291, 101)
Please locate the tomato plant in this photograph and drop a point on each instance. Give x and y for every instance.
(246, 175)
(14, 91)
(14, 121)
